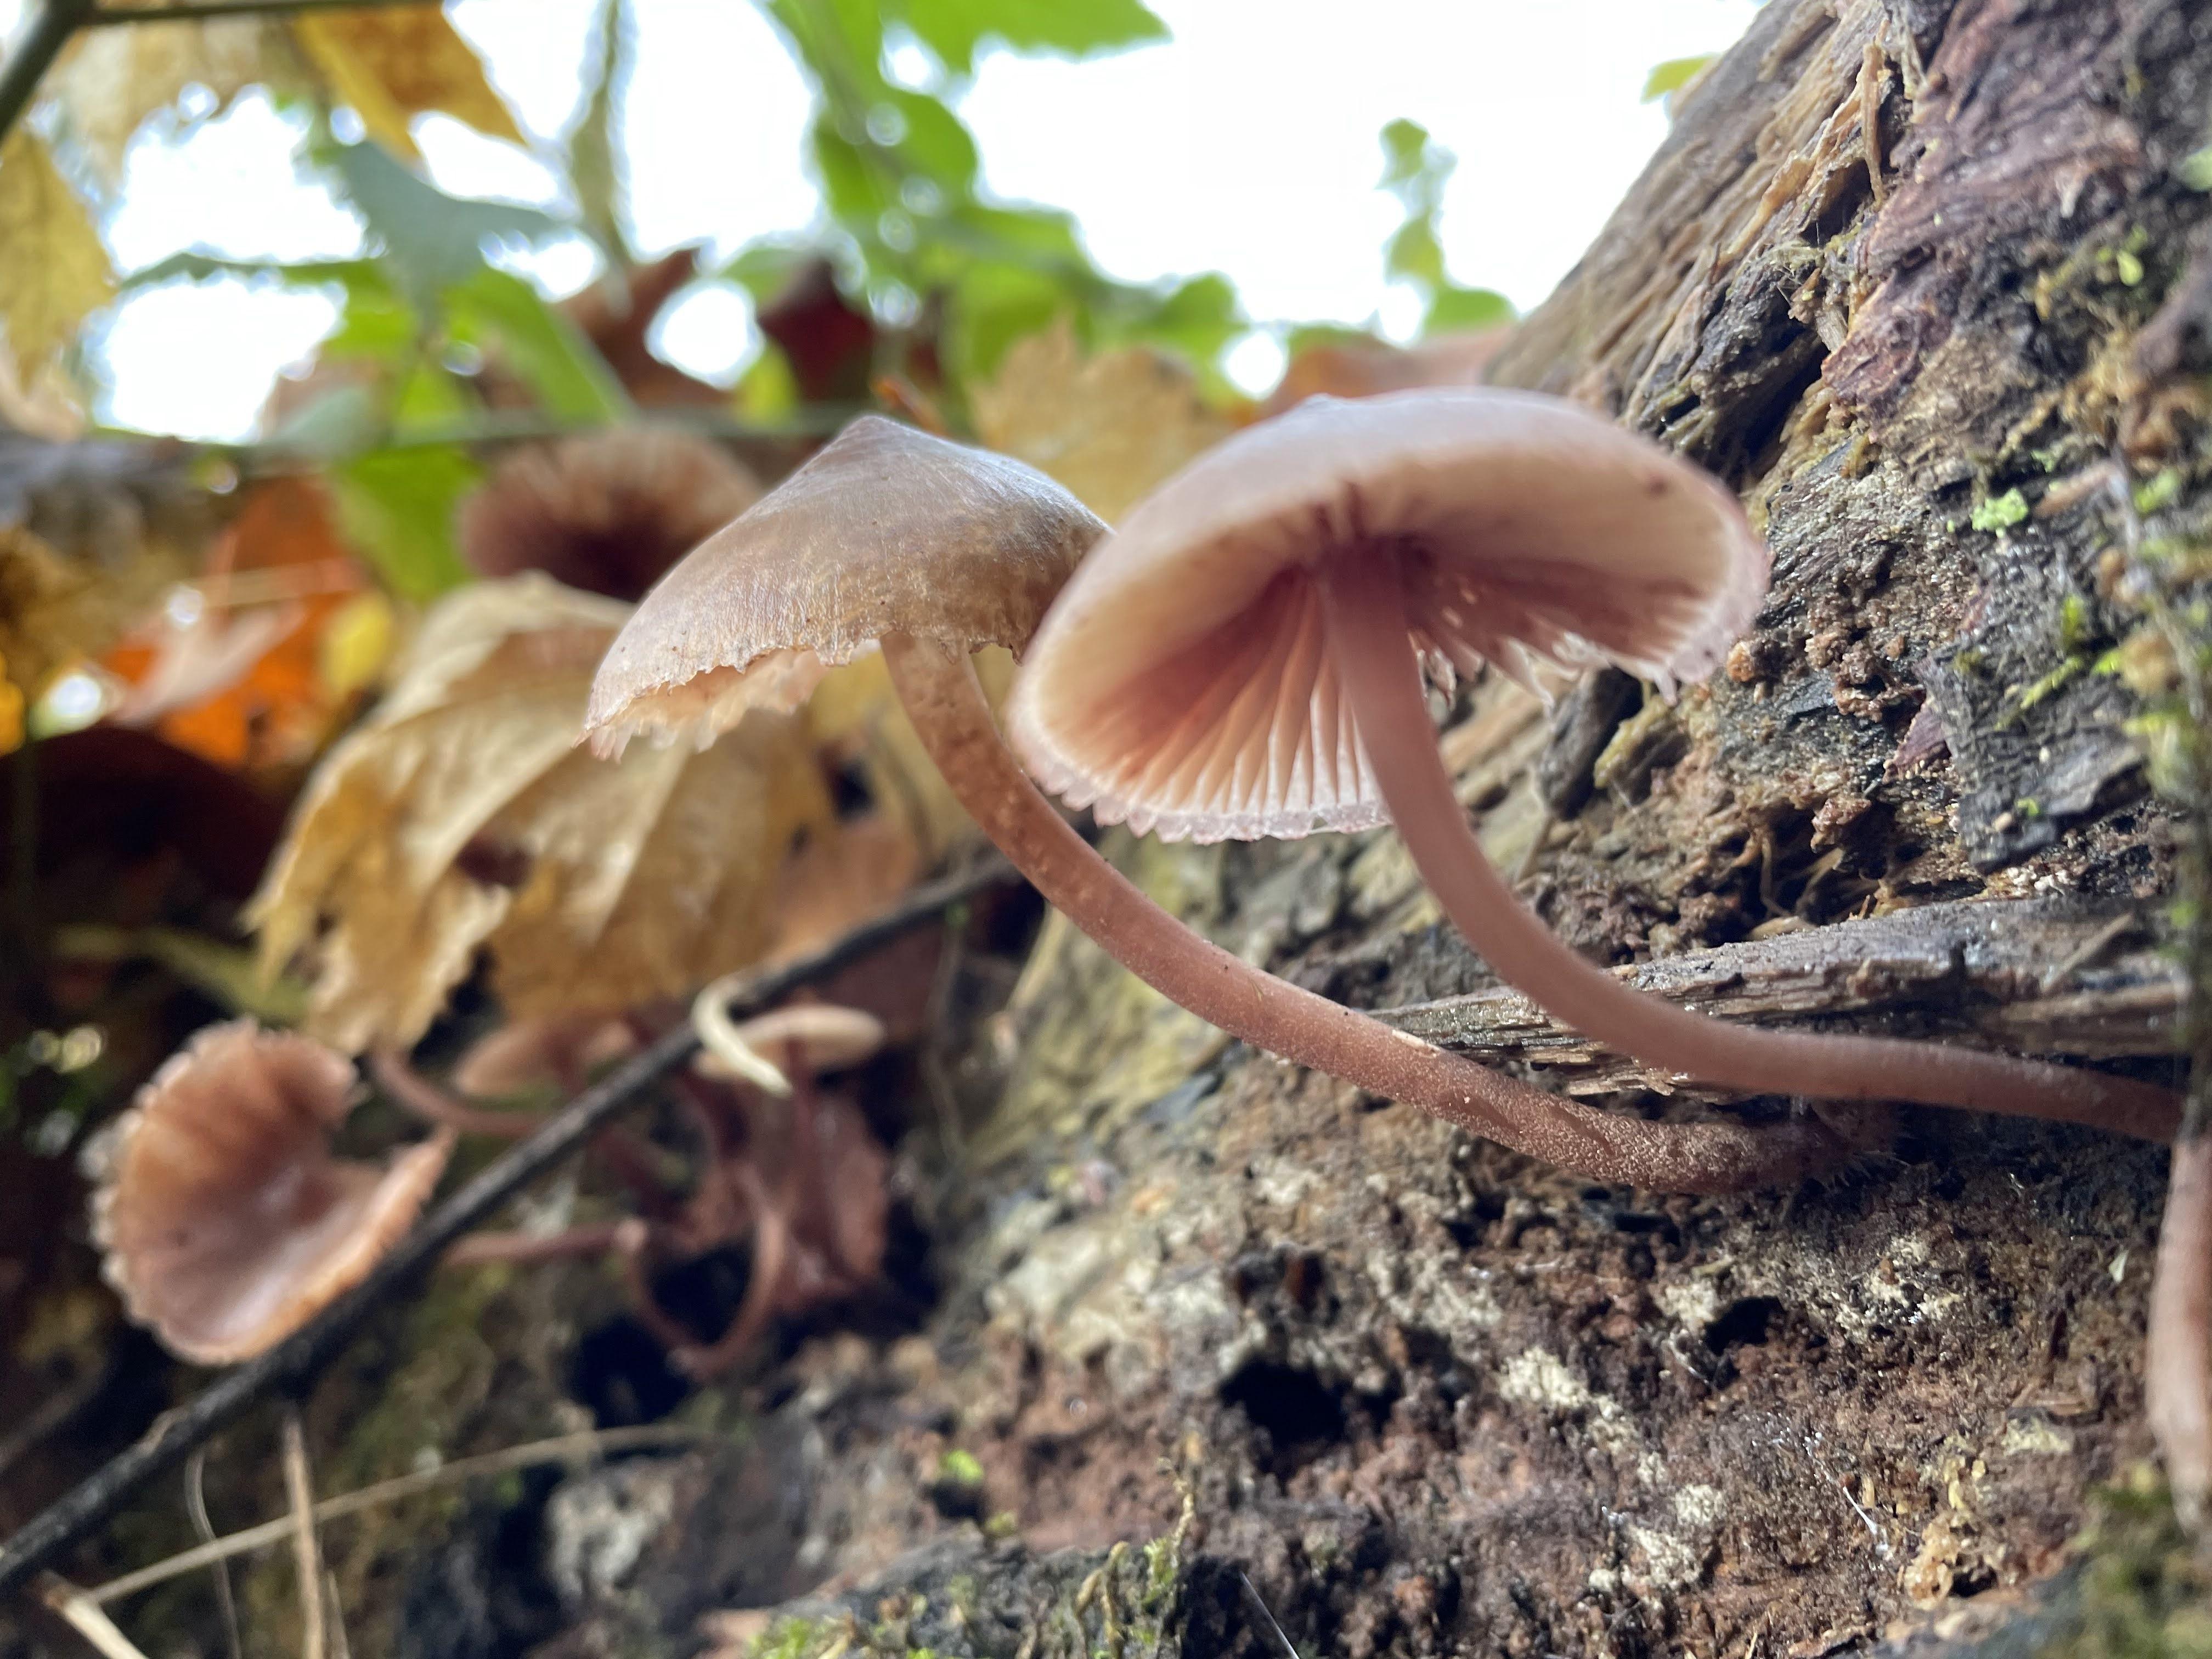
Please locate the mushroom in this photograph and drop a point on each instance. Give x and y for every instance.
(1243, 658)
(227, 1222)
(934, 550)
(814, 1036)
(607, 511)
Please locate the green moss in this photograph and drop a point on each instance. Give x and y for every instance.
(2158, 490)
(2143, 1588)
(2001, 512)
(960, 1468)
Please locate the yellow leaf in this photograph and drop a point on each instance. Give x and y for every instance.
(1109, 428)
(393, 63)
(356, 642)
(55, 268)
(11, 712)
(460, 814)
(856, 717)
(113, 79)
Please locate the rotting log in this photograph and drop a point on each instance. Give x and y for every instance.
(2041, 975)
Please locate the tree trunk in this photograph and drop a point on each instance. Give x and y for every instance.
(1909, 276)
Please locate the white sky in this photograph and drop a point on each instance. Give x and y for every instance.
(1248, 144)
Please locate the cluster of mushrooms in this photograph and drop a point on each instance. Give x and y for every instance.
(1246, 655)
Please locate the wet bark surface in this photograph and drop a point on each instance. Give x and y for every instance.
(1195, 1352)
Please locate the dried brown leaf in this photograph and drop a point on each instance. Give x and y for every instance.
(393, 63)
(55, 270)
(1109, 426)
(113, 79)
(461, 814)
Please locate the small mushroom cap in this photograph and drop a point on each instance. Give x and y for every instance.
(608, 511)
(813, 1036)
(227, 1223)
(1183, 682)
(884, 530)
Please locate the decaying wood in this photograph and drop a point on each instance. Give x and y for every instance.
(2041, 975)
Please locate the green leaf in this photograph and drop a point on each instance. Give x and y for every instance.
(1405, 152)
(497, 311)
(431, 396)
(1307, 336)
(1413, 254)
(936, 142)
(1195, 319)
(2195, 169)
(1674, 74)
(433, 240)
(952, 29)
(594, 169)
(374, 322)
(396, 506)
(1453, 307)
(855, 187)
(993, 306)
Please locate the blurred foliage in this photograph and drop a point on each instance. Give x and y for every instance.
(1416, 170)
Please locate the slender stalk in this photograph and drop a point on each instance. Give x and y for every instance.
(2177, 1354)
(306, 1548)
(945, 703)
(1366, 616)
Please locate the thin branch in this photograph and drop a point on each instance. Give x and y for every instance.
(306, 1550)
(193, 10)
(302, 1356)
(26, 65)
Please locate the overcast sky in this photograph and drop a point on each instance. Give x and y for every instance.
(1248, 144)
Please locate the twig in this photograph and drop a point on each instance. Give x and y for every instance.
(85, 1618)
(307, 1553)
(300, 1357)
(562, 1449)
(204, 1530)
(193, 10)
(42, 43)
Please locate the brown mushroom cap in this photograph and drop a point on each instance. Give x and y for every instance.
(885, 530)
(227, 1223)
(607, 511)
(1183, 682)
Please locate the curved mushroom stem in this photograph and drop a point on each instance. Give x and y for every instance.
(946, 705)
(1365, 613)
(2178, 1355)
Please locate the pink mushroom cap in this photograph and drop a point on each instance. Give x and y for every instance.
(227, 1222)
(1183, 682)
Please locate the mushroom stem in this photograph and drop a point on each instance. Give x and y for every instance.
(1365, 614)
(942, 698)
(2178, 1355)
